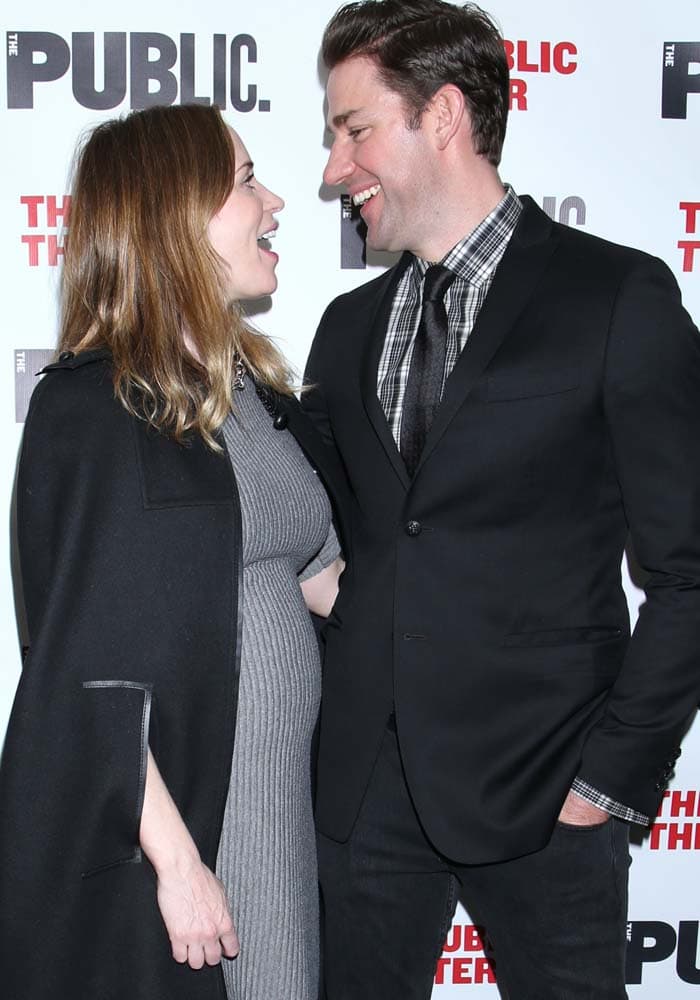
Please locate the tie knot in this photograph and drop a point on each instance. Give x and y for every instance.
(436, 282)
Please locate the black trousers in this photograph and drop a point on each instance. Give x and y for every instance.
(556, 918)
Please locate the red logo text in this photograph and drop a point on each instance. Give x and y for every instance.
(459, 963)
(45, 212)
(536, 57)
(691, 219)
(677, 825)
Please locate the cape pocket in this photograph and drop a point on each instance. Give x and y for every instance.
(116, 723)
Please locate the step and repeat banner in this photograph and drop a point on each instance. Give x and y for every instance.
(604, 133)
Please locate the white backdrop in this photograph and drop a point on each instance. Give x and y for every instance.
(586, 139)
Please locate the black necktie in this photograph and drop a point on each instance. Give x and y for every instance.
(425, 375)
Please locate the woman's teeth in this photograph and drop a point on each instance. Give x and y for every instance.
(362, 196)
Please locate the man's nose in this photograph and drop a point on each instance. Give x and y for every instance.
(339, 166)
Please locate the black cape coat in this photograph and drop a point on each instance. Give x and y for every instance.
(129, 550)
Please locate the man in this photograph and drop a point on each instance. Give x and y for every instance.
(489, 728)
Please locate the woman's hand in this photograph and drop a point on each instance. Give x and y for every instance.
(320, 591)
(195, 913)
(191, 899)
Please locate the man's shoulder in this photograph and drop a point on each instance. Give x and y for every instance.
(367, 293)
(604, 254)
(593, 250)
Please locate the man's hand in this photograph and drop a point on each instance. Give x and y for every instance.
(194, 910)
(579, 812)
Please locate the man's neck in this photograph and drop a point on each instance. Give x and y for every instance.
(464, 206)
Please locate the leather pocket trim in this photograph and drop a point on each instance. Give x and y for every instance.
(135, 855)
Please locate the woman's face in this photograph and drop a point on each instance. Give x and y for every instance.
(236, 230)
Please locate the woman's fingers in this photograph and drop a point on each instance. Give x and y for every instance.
(194, 910)
(195, 956)
(179, 950)
(212, 952)
(229, 944)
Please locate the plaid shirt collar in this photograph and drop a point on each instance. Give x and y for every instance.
(476, 256)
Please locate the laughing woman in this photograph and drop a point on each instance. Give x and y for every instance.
(171, 532)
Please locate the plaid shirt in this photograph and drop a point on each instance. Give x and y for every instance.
(474, 260)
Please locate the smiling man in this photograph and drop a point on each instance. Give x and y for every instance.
(509, 402)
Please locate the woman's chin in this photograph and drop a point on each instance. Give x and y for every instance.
(251, 294)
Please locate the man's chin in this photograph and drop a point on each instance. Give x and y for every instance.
(381, 243)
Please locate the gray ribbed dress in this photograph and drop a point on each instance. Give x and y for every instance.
(267, 857)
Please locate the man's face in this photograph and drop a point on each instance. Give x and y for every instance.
(383, 164)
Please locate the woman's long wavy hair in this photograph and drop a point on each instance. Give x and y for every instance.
(141, 278)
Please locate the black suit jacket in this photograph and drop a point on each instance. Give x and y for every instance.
(483, 598)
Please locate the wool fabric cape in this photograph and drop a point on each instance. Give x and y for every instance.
(130, 557)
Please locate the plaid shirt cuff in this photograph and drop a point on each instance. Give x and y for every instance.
(596, 798)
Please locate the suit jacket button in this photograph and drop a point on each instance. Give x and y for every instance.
(280, 422)
(66, 356)
(413, 528)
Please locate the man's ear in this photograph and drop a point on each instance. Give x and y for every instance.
(448, 114)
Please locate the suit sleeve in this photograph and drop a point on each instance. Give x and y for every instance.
(652, 407)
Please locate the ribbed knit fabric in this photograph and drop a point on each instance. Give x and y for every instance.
(267, 856)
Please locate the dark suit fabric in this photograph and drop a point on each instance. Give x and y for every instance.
(130, 557)
(499, 630)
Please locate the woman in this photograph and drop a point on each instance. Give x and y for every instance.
(166, 516)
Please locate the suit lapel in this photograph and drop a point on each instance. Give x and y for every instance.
(516, 278)
(376, 320)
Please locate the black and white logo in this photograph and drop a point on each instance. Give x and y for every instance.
(161, 69)
(681, 77)
(28, 362)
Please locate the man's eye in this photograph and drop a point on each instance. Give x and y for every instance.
(355, 133)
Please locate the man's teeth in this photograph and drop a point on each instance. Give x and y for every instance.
(267, 236)
(362, 196)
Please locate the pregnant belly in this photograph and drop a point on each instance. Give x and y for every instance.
(280, 681)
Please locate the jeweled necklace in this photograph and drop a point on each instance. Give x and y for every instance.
(238, 374)
(266, 395)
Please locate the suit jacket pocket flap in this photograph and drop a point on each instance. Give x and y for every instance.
(503, 387)
(564, 636)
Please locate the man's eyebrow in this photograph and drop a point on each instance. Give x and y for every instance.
(341, 120)
(248, 165)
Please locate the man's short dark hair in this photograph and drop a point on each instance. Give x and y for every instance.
(420, 45)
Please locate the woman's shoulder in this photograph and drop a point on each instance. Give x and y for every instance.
(74, 402)
(71, 383)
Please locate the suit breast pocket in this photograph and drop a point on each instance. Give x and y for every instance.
(505, 387)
